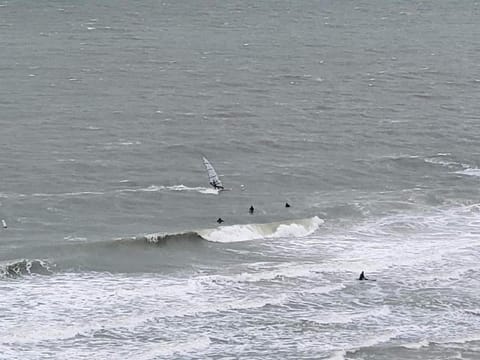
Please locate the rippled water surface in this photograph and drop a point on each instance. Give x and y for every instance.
(363, 116)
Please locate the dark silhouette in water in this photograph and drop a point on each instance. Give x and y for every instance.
(287, 205)
(216, 186)
(251, 210)
(362, 276)
(220, 220)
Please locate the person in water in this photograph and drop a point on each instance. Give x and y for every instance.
(216, 186)
(362, 276)
(251, 210)
(220, 220)
(287, 204)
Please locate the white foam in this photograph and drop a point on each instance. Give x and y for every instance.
(325, 289)
(469, 172)
(69, 301)
(202, 190)
(170, 348)
(376, 339)
(134, 349)
(75, 238)
(121, 142)
(296, 230)
(345, 318)
(437, 161)
(406, 240)
(232, 233)
(23, 266)
(181, 187)
(77, 193)
(416, 345)
(151, 188)
(399, 157)
(338, 355)
(285, 270)
(236, 233)
(461, 339)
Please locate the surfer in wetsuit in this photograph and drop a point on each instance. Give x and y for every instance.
(251, 210)
(287, 204)
(362, 276)
(220, 220)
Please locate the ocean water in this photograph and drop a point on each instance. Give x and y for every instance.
(363, 115)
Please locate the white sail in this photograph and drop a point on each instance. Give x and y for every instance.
(213, 178)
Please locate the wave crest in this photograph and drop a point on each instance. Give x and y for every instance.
(165, 238)
(22, 267)
(234, 233)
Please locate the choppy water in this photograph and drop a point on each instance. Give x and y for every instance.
(363, 115)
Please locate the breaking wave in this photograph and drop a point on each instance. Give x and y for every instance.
(236, 233)
(22, 267)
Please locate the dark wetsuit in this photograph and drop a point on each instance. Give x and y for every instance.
(220, 220)
(251, 210)
(362, 276)
(216, 186)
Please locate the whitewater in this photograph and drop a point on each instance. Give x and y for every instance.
(364, 117)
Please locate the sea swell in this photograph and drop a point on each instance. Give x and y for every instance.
(157, 252)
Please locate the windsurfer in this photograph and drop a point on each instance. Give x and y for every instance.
(213, 178)
(216, 186)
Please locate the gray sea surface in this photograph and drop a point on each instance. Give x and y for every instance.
(363, 115)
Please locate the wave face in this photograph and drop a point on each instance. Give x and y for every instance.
(237, 233)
